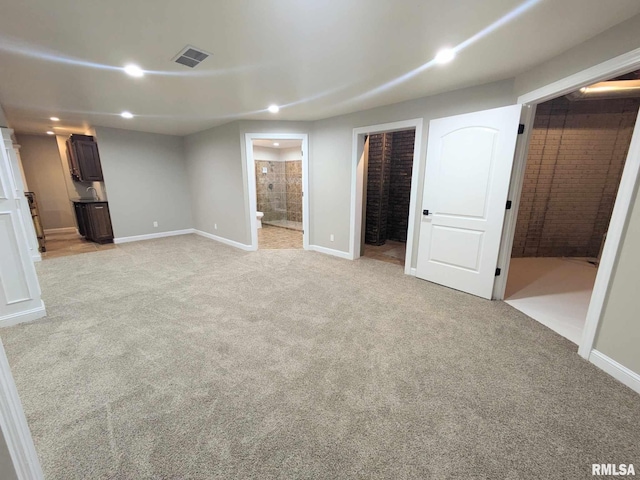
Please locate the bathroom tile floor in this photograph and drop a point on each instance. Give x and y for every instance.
(273, 238)
(284, 223)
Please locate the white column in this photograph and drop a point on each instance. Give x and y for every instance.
(19, 288)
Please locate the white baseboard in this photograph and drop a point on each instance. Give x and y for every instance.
(412, 272)
(23, 317)
(330, 251)
(226, 241)
(36, 257)
(60, 230)
(621, 373)
(151, 236)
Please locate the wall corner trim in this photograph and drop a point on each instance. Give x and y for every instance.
(14, 426)
(151, 236)
(226, 241)
(331, 251)
(621, 373)
(23, 317)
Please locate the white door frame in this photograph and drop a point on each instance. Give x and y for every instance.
(357, 183)
(251, 179)
(611, 68)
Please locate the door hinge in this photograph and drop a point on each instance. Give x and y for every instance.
(508, 204)
(498, 272)
(521, 129)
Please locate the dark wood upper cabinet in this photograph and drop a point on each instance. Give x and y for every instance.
(84, 159)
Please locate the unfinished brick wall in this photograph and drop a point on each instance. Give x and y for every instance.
(389, 170)
(576, 156)
(400, 185)
(378, 175)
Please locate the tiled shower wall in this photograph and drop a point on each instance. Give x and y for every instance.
(576, 157)
(279, 191)
(293, 180)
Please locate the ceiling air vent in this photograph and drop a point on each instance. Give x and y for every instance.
(190, 56)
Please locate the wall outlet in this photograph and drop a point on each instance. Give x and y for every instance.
(331, 237)
(264, 170)
(155, 224)
(215, 226)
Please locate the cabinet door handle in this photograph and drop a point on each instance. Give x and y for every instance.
(97, 208)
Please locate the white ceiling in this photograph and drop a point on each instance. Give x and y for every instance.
(316, 58)
(281, 143)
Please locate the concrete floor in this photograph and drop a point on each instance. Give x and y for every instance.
(390, 252)
(554, 291)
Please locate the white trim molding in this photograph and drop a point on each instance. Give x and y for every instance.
(250, 182)
(151, 236)
(615, 235)
(619, 65)
(330, 251)
(226, 241)
(14, 426)
(621, 373)
(24, 316)
(357, 183)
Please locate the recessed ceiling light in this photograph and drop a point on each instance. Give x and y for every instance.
(276, 144)
(54, 119)
(133, 70)
(445, 55)
(126, 115)
(51, 133)
(274, 108)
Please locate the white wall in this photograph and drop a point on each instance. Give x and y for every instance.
(266, 154)
(291, 154)
(618, 334)
(615, 41)
(146, 178)
(45, 177)
(216, 176)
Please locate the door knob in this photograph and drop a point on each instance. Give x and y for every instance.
(425, 212)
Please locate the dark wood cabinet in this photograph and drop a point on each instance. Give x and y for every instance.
(94, 221)
(84, 159)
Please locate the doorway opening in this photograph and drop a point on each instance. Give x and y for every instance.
(389, 167)
(412, 129)
(577, 152)
(277, 166)
(58, 200)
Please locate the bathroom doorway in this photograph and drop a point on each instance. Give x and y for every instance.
(276, 169)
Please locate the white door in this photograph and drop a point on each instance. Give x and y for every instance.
(469, 161)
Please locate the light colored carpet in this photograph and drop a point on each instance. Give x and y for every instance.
(185, 358)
